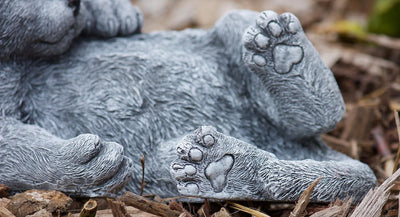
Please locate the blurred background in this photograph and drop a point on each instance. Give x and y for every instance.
(179, 14)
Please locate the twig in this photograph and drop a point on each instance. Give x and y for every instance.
(143, 182)
(354, 149)
(337, 142)
(173, 205)
(149, 206)
(384, 41)
(396, 162)
(304, 199)
(89, 209)
(349, 148)
(250, 211)
(207, 207)
(117, 208)
(398, 203)
(383, 149)
(380, 140)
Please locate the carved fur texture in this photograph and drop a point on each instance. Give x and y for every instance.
(234, 112)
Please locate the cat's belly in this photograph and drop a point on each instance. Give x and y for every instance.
(133, 99)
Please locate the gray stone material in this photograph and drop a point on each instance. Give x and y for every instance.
(78, 109)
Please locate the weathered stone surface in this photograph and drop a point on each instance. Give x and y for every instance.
(76, 122)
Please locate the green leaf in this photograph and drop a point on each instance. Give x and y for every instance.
(385, 18)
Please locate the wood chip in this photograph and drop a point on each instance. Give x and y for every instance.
(335, 210)
(173, 205)
(31, 201)
(89, 209)
(149, 206)
(221, 213)
(374, 201)
(118, 208)
(4, 190)
(248, 210)
(5, 212)
(304, 200)
(4, 201)
(132, 211)
(397, 121)
(384, 150)
(41, 213)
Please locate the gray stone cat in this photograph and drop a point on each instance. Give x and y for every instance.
(65, 100)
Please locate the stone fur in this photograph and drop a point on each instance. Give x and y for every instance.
(61, 114)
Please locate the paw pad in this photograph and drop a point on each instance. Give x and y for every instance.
(216, 172)
(202, 166)
(190, 170)
(261, 41)
(275, 29)
(195, 154)
(273, 44)
(259, 60)
(189, 189)
(286, 56)
(293, 24)
(208, 140)
(183, 171)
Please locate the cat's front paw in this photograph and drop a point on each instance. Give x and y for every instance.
(109, 18)
(89, 166)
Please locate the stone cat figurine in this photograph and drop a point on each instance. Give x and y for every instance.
(234, 112)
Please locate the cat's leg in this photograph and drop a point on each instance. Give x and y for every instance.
(108, 18)
(157, 161)
(214, 165)
(30, 157)
(304, 98)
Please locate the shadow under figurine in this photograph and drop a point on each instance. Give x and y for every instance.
(66, 99)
